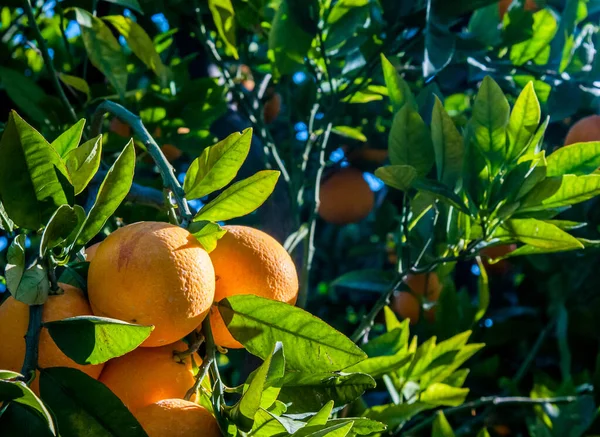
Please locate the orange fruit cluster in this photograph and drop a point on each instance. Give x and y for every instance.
(424, 288)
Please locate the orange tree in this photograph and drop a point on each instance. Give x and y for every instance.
(469, 170)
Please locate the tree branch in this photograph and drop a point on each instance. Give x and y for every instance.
(32, 338)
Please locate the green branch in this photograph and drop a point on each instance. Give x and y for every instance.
(166, 169)
(48, 60)
(32, 338)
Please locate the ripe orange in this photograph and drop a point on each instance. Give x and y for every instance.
(14, 318)
(586, 129)
(345, 197)
(147, 375)
(171, 152)
(120, 128)
(152, 273)
(407, 306)
(90, 252)
(501, 267)
(530, 5)
(177, 418)
(424, 286)
(248, 261)
(272, 107)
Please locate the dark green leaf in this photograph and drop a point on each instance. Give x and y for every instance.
(207, 234)
(34, 287)
(68, 392)
(440, 191)
(390, 343)
(76, 82)
(30, 188)
(398, 89)
(241, 198)
(83, 162)
(21, 420)
(95, 340)
(103, 49)
(27, 95)
(69, 139)
(524, 121)
(310, 344)
(410, 141)
(440, 43)
(578, 159)
(217, 165)
(541, 234)
(224, 17)
(112, 192)
(447, 144)
(129, 4)
(311, 391)
(59, 227)
(400, 177)
(373, 280)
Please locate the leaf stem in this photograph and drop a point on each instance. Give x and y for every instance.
(166, 169)
(48, 60)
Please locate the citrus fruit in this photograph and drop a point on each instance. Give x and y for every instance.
(171, 152)
(586, 129)
(530, 5)
(272, 107)
(147, 375)
(407, 306)
(14, 319)
(120, 128)
(177, 418)
(90, 252)
(247, 78)
(427, 288)
(493, 252)
(248, 261)
(152, 273)
(345, 197)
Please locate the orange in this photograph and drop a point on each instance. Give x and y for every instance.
(368, 155)
(407, 306)
(345, 197)
(152, 273)
(490, 253)
(247, 78)
(171, 152)
(147, 375)
(530, 5)
(177, 418)
(90, 252)
(14, 318)
(427, 286)
(272, 107)
(586, 129)
(248, 261)
(120, 128)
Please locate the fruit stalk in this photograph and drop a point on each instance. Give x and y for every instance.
(166, 170)
(31, 341)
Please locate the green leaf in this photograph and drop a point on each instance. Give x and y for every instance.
(27, 95)
(441, 192)
(241, 198)
(310, 391)
(391, 320)
(458, 378)
(140, 44)
(83, 163)
(524, 120)
(112, 192)
(76, 82)
(95, 340)
(396, 415)
(350, 132)
(322, 415)
(544, 29)
(217, 165)
(373, 280)
(410, 141)
(440, 42)
(67, 392)
(18, 392)
(69, 139)
(489, 120)
(541, 234)
(400, 177)
(310, 344)
(224, 17)
(59, 227)
(129, 4)
(6, 224)
(103, 49)
(9, 374)
(34, 287)
(18, 420)
(563, 191)
(441, 427)
(338, 430)
(15, 262)
(578, 159)
(447, 144)
(207, 234)
(379, 366)
(30, 188)
(442, 394)
(390, 343)
(361, 426)
(483, 433)
(398, 89)
(483, 292)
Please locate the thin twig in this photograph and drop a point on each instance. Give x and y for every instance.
(166, 169)
(48, 60)
(492, 401)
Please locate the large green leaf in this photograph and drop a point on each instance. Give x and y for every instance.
(224, 16)
(18, 420)
(398, 89)
(95, 340)
(83, 163)
(310, 391)
(400, 177)
(31, 175)
(69, 139)
(555, 192)
(448, 145)
(442, 394)
(310, 344)
(379, 366)
(140, 44)
(217, 165)
(489, 120)
(60, 226)
(83, 405)
(524, 120)
(241, 198)
(410, 141)
(541, 234)
(112, 192)
(17, 392)
(537, 47)
(103, 49)
(440, 42)
(578, 159)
